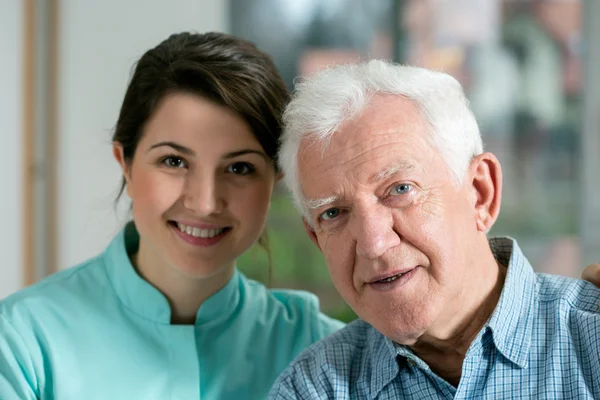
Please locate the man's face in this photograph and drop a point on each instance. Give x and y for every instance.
(394, 227)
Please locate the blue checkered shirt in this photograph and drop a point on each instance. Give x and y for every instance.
(541, 342)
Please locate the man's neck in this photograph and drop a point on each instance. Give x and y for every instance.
(185, 294)
(445, 351)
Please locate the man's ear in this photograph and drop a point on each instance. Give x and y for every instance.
(311, 233)
(486, 179)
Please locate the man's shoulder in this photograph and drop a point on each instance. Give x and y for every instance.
(570, 293)
(572, 306)
(354, 363)
(338, 347)
(566, 329)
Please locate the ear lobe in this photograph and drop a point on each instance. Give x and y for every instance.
(487, 185)
(311, 233)
(125, 167)
(117, 149)
(120, 157)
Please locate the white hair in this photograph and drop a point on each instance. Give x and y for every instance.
(323, 102)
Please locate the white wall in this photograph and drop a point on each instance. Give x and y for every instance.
(11, 66)
(98, 43)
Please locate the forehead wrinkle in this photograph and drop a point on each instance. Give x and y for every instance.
(382, 152)
(354, 172)
(339, 146)
(361, 154)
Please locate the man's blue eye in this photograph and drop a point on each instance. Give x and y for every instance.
(330, 214)
(402, 188)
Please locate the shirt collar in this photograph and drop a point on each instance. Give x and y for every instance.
(385, 368)
(145, 300)
(511, 322)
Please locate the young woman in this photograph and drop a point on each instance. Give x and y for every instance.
(163, 313)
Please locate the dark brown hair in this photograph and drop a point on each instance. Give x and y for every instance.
(222, 68)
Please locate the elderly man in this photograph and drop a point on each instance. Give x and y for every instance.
(386, 164)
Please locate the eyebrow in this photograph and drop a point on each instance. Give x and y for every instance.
(188, 151)
(401, 167)
(313, 204)
(244, 152)
(178, 147)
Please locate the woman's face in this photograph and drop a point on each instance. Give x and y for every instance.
(200, 184)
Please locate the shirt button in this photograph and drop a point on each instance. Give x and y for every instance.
(411, 362)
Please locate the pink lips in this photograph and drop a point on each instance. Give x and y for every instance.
(388, 275)
(399, 279)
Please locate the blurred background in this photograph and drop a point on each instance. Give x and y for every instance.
(527, 67)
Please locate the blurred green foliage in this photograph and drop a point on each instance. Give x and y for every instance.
(296, 262)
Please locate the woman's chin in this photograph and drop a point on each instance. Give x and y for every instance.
(204, 271)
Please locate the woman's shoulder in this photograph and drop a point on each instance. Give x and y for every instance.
(296, 307)
(292, 300)
(61, 288)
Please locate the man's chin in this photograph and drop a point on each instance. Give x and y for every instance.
(398, 323)
(407, 336)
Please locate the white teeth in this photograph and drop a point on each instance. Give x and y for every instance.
(199, 233)
(391, 278)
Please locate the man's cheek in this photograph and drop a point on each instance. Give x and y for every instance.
(327, 244)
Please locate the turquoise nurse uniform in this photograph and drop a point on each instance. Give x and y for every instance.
(99, 331)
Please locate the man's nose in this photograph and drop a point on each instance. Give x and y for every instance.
(373, 229)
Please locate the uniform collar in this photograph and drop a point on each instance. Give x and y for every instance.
(145, 300)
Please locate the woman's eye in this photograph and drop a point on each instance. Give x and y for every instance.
(174, 162)
(402, 188)
(241, 168)
(330, 214)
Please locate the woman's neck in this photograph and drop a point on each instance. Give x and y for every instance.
(185, 293)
